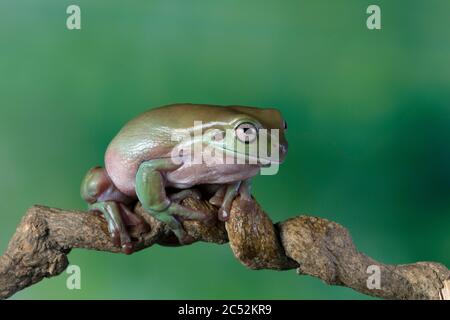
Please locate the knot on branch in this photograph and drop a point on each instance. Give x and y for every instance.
(307, 236)
(254, 239)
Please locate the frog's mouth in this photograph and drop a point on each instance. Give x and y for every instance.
(252, 160)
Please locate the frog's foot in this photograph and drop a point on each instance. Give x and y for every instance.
(230, 192)
(150, 189)
(133, 221)
(174, 214)
(112, 213)
(178, 197)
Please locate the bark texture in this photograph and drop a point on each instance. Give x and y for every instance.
(314, 246)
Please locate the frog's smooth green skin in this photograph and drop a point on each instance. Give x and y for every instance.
(140, 162)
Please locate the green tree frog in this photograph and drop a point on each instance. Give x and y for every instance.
(144, 162)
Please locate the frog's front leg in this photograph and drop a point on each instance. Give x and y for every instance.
(228, 193)
(150, 189)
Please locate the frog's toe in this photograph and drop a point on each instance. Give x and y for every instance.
(178, 197)
(115, 237)
(217, 198)
(122, 240)
(184, 213)
(128, 248)
(187, 239)
(175, 214)
(224, 212)
(112, 213)
(241, 188)
(134, 222)
(245, 190)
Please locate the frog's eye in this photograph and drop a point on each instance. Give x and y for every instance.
(246, 132)
(284, 125)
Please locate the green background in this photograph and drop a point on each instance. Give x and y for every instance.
(368, 114)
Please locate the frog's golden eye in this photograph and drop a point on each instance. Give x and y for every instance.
(246, 132)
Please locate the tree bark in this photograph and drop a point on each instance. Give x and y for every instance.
(314, 246)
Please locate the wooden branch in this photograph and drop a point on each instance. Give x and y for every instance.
(315, 246)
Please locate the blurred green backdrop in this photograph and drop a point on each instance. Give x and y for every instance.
(368, 114)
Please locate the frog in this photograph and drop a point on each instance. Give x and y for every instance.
(150, 161)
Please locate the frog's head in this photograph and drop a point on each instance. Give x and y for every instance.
(253, 135)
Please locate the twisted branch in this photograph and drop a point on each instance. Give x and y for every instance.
(315, 246)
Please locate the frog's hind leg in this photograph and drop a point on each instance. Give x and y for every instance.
(150, 189)
(102, 196)
(116, 226)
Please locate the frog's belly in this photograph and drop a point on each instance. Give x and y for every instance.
(122, 172)
(189, 175)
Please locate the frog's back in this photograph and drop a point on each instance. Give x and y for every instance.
(149, 136)
(143, 138)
